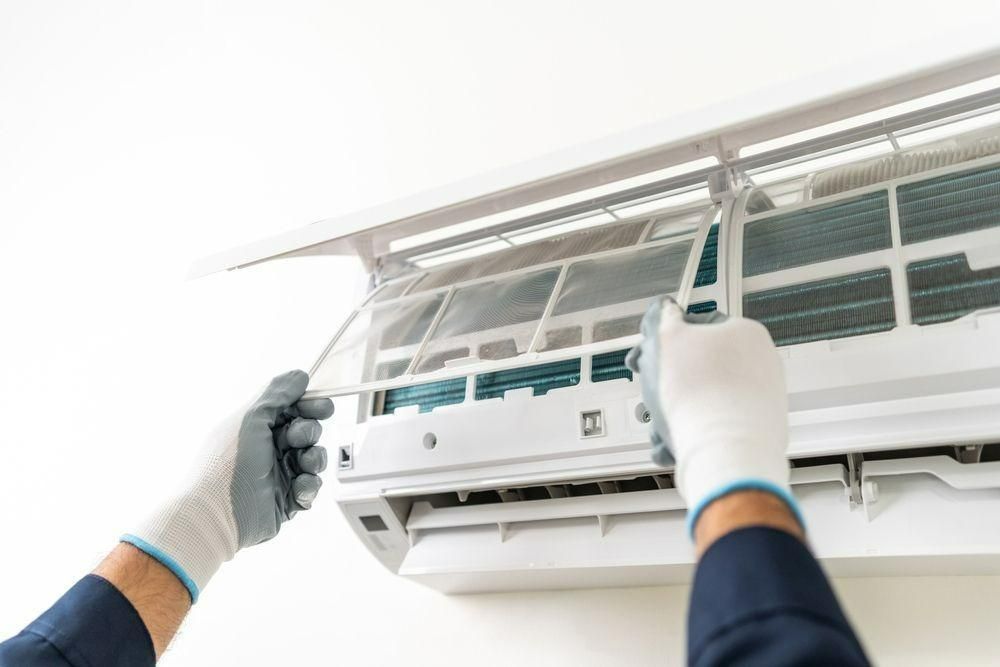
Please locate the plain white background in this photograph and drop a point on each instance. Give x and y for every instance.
(135, 137)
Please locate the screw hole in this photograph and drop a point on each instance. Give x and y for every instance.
(642, 414)
(430, 441)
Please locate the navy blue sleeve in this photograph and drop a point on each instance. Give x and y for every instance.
(92, 625)
(760, 598)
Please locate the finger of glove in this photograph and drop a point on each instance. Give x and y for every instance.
(283, 392)
(315, 408)
(311, 460)
(298, 434)
(305, 487)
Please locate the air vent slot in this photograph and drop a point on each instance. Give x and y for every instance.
(708, 265)
(609, 366)
(428, 396)
(541, 379)
(703, 307)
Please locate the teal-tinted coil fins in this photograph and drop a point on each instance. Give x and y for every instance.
(609, 366)
(703, 307)
(541, 379)
(852, 305)
(428, 396)
(949, 205)
(945, 288)
(846, 228)
(708, 265)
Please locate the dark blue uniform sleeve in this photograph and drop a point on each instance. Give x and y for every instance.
(760, 598)
(92, 625)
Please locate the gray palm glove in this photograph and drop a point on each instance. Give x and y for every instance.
(644, 359)
(261, 468)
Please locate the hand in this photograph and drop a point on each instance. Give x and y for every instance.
(715, 389)
(261, 468)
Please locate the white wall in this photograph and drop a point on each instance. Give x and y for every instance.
(135, 137)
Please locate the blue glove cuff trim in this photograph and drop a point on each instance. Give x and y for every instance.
(166, 561)
(749, 484)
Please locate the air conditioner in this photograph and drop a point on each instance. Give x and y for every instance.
(488, 435)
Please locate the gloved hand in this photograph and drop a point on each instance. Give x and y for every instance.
(715, 390)
(260, 468)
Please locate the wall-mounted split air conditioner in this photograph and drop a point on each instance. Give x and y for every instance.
(488, 435)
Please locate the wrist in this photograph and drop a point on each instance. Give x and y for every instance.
(745, 508)
(157, 595)
(191, 535)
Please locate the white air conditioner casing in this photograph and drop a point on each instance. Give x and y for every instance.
(870, 248)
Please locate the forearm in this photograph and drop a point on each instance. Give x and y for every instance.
(158, 596)
(759, 595)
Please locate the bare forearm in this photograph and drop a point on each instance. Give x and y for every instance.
(743, 509)
(160, 598)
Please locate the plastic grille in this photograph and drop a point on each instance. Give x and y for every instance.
(428, 396)
(552, 249)
(492, 320)
(609, 366)
(945, 288)
(949, 205)
(839, 307)
(812, 235)
(541, 379)
(708, 265)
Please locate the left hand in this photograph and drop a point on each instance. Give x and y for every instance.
(261, 468)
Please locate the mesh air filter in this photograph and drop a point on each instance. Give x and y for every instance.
(497, 319)
(843, 229)
(621, 282)
(378, 344)
(945, 288)
(851, 305)
(549, 250)
(949, 205)
(392, 290)
(541, 379)
(428, 396)
(708, 264)
(609, 366)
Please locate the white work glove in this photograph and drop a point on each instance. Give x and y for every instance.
(260, 468)
(715, 390)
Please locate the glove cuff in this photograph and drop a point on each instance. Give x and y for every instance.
(166, 561)
(746, 484)
(193, 534)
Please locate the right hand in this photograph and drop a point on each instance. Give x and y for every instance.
(715, 388)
